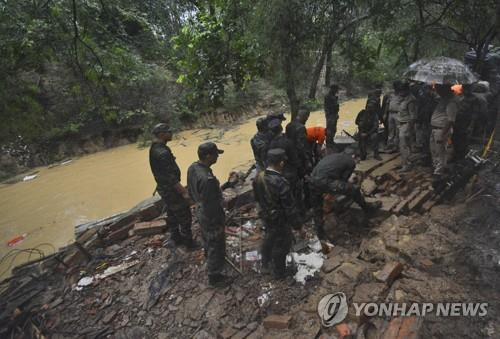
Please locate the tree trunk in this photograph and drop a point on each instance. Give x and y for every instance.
(327, 46)
(290, 85)
(328, 73)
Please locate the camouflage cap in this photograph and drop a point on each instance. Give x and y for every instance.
(208, 148)
(276, 155)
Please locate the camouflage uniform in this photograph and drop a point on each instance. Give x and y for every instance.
(392, 104)
(331, 175)
(293, 170)
(205, 190)
(405, 120)
(331, 116)
(367, 121)
(260, 143)
(297, 134)
(167, 174)
(278, 213)
(426, 102)
(443, 115)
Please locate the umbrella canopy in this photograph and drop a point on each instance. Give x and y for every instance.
(440, 70)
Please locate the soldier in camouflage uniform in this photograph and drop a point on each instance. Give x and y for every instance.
(205, 190)
(168, 176)
(390, 107)
(331, 175)
(260, 143)
(331, 105)
(294, 169)
(367, 121)
(296, 132)
(278, 213)
(405, 120)
(442, 121)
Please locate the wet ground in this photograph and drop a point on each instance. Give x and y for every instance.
(449, 254)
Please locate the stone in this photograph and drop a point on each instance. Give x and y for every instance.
(277, 321)
(108, 317)
(228, 332)
(389, 272)
(150, 227)
(403, 328)
(368, 186)
(332, 263)
(419, 200)
(119, 234)
(242, 334)
(402, 207)
(369, 292)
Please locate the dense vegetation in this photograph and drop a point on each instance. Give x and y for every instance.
(84, 67)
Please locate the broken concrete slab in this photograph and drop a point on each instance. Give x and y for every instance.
(369, 292)
(403, 328)
(368, 186)
(277, 321)
(150, 227)
(389, 272)
(419, 200)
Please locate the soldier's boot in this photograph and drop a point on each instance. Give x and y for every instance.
(191, 244)
(219, 280)
(265, 269)
(376, 156)
(176, 237)
(372, 207)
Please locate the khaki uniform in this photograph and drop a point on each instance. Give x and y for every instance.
(405, 121)
(443, 115)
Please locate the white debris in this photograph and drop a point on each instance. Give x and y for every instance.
(307, 265)
(315, 245)
(264, 299)
(66, 162)
(252, 256)
(85, 281)
(115, 269)
(128, 257)
(30, 177)
(249, 225)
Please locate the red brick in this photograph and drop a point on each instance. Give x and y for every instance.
(119, 234)
(277, 321)
(389, 272)
(150, 227)
(403, 328)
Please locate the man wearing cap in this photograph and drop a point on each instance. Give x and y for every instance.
(331, 176)
(405, 121)
(168, 176)
(205, 190)
(331, 115)
(277, 211)
(260, 143)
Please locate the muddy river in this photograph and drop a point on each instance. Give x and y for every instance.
(45, 210)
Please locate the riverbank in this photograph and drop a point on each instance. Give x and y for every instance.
(127, 285)
(95, 186)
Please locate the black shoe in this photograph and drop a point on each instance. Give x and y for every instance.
(218, 280)
(372, 207)
(283, 274)
(265, 270)
(377, 157)
(191, 244)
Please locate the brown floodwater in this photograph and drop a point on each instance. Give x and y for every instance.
(47, 208)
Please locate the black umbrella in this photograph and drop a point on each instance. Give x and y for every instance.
(440, 70)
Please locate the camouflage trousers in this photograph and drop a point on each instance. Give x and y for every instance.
(276, 245)
(393, 134)
(214, 245)
(178, 215)
(364, 141)
(438, 150)
(405, 142)
(331, 130)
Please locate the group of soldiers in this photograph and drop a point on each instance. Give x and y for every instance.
(423, 119)
(294, 172)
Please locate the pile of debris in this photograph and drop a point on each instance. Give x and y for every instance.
(123, 278)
